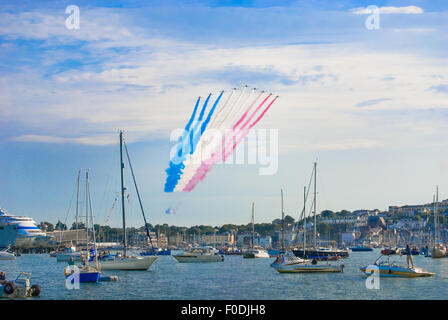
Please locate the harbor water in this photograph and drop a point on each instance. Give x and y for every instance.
(235, 278)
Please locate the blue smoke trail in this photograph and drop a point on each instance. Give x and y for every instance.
(172, 166)
(175, 169)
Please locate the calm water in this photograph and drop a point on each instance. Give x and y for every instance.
(235, 278)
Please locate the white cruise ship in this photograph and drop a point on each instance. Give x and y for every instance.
(27, 230)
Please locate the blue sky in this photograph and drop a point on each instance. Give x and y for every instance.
(371, 105)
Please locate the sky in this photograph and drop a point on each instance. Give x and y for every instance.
(370, 105)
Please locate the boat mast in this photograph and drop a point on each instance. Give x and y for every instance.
(77, 209)
(87, 212)
(283, 223)
(434, 211)
(125, 244)
(437, 212)
(253, 227)
(304, 220)
(315, 226)
(91, 219)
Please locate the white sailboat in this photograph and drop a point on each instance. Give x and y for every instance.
(125, 261)
(439, 250)
(255, 251)
(200, 254)
(306, 266)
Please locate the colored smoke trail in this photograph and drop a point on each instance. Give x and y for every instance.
(175, 167)
(208, 164)
(206, 147)
(195, 159)
(171, 171)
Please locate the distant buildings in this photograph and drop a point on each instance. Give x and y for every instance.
(411, 210)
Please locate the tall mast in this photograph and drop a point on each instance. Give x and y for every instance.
(91, 219)
(125, 243)
(434, 211)
(437, 212)
(87, 211)
(77, 209)
(304, 220)
(315, 226)
(283, 222)
(253, 227)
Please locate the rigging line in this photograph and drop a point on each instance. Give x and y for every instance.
(92, 222)
(302, 216)
(138, 193)
(68, 211)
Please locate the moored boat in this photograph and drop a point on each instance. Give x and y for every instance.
(312, 267)
(256, 252)
(5, 254)
(199, 254)
(360, 248)
(288, 259)
(390, 268)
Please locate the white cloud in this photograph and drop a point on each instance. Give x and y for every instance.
(389, 10)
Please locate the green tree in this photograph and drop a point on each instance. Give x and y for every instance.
(60, 226)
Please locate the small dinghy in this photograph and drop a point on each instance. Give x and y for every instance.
(18, 288)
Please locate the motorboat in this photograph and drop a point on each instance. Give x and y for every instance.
(18, 288)
(313, 267)
(199, 254)
(389, 266)
(288, 259)
(256, 252)
(5, 254)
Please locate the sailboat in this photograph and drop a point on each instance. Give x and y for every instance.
(254, 251)
(284, 257)
(306, 266)
(315, 252)
(124, 261)
(70, 253)
(89, 269)
(439, 250)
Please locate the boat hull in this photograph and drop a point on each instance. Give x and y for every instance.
(361, 249)
(438, 253)
(310, 254)
(7, 255)
(128, 263)
(198, 258)
(399, 272)
(310, 268)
